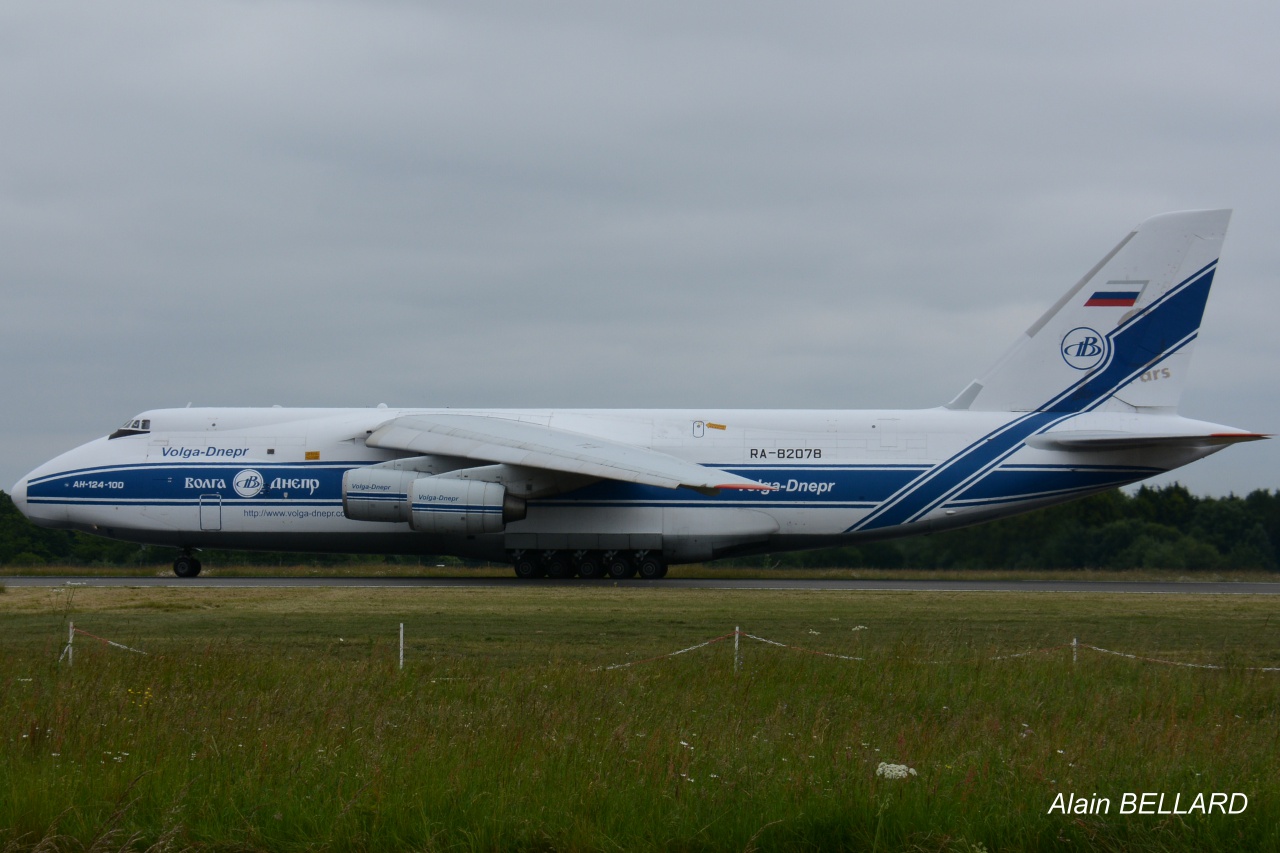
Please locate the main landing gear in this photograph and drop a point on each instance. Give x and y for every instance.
(589, 564)
(186, 566)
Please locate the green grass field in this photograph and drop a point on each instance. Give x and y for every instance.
(279, 720)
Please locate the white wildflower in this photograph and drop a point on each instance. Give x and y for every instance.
(895, 771)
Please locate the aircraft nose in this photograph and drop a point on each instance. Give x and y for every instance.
(19, 495)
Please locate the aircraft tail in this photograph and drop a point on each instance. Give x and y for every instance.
(1122, 337)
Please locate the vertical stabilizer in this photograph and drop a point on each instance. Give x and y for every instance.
(1123, 336)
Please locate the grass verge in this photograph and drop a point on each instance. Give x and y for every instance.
(278, 719)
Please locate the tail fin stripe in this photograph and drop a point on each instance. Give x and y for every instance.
(1175, 313)
(1157, 332)
(1161, 269)
(1171, 293)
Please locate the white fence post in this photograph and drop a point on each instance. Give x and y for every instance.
(71, 636)
(402, 645)
(1075, 646)
(737, 632)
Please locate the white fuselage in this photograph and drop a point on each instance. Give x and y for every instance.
(272, 479)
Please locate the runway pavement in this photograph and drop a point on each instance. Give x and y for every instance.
(1136, 587)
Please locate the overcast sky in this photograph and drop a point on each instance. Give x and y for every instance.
(811, 204)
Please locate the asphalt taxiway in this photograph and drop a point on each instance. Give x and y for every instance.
(798, 584)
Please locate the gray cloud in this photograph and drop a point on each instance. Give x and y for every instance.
(570, 204)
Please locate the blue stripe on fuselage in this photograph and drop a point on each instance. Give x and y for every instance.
(830, 486)
(168, 483)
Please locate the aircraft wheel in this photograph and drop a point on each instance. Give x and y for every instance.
(590, 565)
(621, 567)
(186, 566)
(652, 567)
(558, 566)
(527, 567)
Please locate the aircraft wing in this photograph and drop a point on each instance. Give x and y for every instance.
(512, 442)
(1104, 440)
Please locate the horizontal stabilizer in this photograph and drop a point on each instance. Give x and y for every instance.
(1084, 440)
(531, 445)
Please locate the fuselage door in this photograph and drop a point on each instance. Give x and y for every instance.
(886, 437)
(211, 512)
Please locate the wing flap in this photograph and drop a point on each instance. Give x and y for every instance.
(493, 439)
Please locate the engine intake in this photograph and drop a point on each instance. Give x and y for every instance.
(377, 494)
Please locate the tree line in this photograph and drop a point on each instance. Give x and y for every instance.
(1153, 528)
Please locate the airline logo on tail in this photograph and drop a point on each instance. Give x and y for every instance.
(1083, 348)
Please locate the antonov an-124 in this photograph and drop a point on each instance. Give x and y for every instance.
(1085, 400)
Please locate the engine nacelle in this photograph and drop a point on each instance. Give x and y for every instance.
(377, 494)
(449, 505)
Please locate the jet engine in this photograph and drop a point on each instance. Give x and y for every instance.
(451, 505)
(436, 504)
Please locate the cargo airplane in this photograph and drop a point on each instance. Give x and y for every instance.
(1085, 400)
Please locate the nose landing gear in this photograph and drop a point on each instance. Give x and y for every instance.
(186, 566)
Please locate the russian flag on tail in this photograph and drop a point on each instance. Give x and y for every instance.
(1113, 298)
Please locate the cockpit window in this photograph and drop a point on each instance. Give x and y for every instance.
(133, 426)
